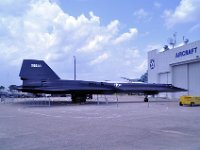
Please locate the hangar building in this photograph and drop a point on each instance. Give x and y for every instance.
(179, 66)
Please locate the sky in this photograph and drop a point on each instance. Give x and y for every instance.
(109, 38)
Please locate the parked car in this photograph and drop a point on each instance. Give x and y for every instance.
(189, 100)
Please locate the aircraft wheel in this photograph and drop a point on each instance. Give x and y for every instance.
(80, 98)
(192, 104)
(146, 99)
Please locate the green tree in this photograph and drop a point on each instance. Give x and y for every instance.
(2, 88)
(12, 88)
(144, 77)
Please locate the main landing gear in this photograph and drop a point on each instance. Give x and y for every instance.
(78, 98)
(146, 98)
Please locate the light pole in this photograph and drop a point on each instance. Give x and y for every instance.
(74, 67)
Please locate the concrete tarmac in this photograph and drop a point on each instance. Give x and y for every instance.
(131, 125)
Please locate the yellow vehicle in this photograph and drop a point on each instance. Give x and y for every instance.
(189, 100)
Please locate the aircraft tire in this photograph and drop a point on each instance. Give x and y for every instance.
(78, 98)
(146, 99)
(192, 104)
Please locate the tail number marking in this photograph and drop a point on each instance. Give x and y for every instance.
(36, 65)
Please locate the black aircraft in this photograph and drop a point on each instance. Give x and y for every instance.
(38, 77)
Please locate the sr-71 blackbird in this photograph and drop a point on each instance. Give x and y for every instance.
(38, 77)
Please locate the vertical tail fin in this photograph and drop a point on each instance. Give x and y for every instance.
(36, 70)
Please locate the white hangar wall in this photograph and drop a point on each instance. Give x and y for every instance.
(178, 66)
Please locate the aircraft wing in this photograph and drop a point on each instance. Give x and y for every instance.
(147, 88)
(141, 87)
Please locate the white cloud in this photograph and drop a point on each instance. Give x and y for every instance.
(142, 67)
(45, 31)
(153, 47)
(94, 44)
(132, 54)
(186, 11)
(157, 5)
(194, 28)
(126, 36)
(142, 15)
(113, 26)
(100, 59)
(144, 34)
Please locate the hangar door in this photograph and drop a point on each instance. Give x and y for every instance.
(187, 76)
(180, 78)
(194, 79)
(164, 79)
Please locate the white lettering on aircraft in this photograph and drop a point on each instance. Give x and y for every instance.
(117, 85)
(36, 65)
